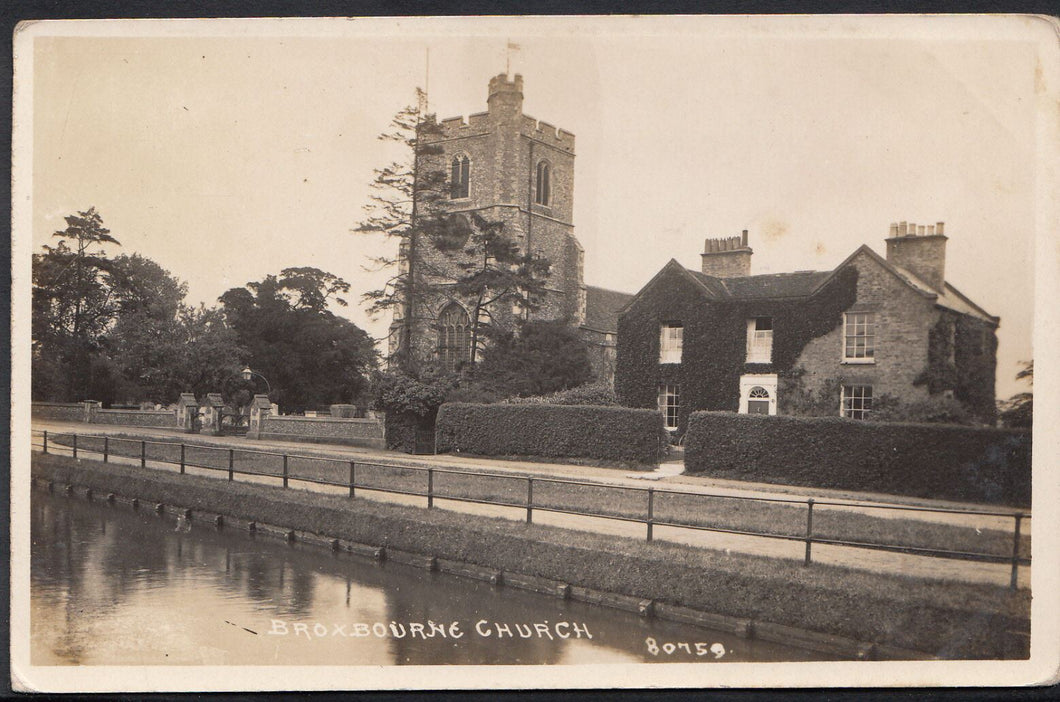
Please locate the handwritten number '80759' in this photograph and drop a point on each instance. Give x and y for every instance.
(670, 648)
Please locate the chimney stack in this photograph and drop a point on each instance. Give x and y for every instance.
(920, 250)
(729, 257)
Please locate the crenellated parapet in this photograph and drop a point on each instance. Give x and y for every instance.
(506, 108)
(455, 127)
(551, 135)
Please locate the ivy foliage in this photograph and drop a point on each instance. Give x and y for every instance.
(714, 344)
(962, 360)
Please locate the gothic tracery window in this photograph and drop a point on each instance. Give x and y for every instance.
(460, 178)
(543, 193)
(454, 336)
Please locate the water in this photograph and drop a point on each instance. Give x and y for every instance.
(115, 587)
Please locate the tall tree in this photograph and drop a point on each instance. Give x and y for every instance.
(158, 345)
(314, 287)
(494, 272)
(72, 308)
(545, 357)
(407, 205)
(309, 356)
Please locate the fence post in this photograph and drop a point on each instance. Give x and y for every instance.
(809, 529)
(231, 463)
(106, 448)
(529, 500)
(353, 477)
(651, 512)
(182, 458)
(143, 454)
(430, 488)
(75, 445)
(1013, 582)
(45, 441)
(285, 470)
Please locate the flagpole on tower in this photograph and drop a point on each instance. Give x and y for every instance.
(508, 56)
(427, 82)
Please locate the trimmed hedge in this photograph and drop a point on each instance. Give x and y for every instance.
(971, 464)
(556, 431)
(596, 394)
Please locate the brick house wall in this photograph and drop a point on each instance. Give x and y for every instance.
(903, 318)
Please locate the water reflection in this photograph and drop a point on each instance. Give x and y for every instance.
(110, 586)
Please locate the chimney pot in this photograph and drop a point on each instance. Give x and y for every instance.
(894, 229)
(922, 255)
(938, 227)
(727, 257)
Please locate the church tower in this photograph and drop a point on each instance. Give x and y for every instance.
(511, 168)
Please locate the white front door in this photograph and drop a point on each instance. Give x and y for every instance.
(758, 393)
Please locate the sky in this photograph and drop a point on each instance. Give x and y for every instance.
(229, 151)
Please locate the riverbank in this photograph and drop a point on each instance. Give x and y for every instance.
(760, 596)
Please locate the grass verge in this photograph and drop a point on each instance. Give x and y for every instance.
(603, 500)
(947, 619)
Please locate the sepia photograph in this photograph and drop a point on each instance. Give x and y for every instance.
(534, 352)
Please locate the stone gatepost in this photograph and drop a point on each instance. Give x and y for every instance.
(211, 412)
(91, 407)
(188, 413)
(260, 407)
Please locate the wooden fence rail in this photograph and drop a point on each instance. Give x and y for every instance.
(50, 441)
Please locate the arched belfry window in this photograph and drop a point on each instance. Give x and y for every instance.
(543, 194)
(454, 336)
(460, 179)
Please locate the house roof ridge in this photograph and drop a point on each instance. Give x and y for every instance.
(610, 290)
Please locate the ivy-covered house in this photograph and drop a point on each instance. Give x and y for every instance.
(874, 332)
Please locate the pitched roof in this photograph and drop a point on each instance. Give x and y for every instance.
(806, 283)
(949, 297)
(774, 285)
(602, 307)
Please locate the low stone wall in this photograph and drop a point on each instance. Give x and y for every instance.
(325, 430)
(136, 418)
(91, 412)
(61, 411)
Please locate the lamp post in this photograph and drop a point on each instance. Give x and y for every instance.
(248, 374)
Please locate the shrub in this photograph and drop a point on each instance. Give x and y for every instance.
(598, 394)
(975, 464)
(933, 410)
(572, 431)
(544, 357)
(396, 392)
(411, 405)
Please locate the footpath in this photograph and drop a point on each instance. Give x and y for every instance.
(668, 475)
